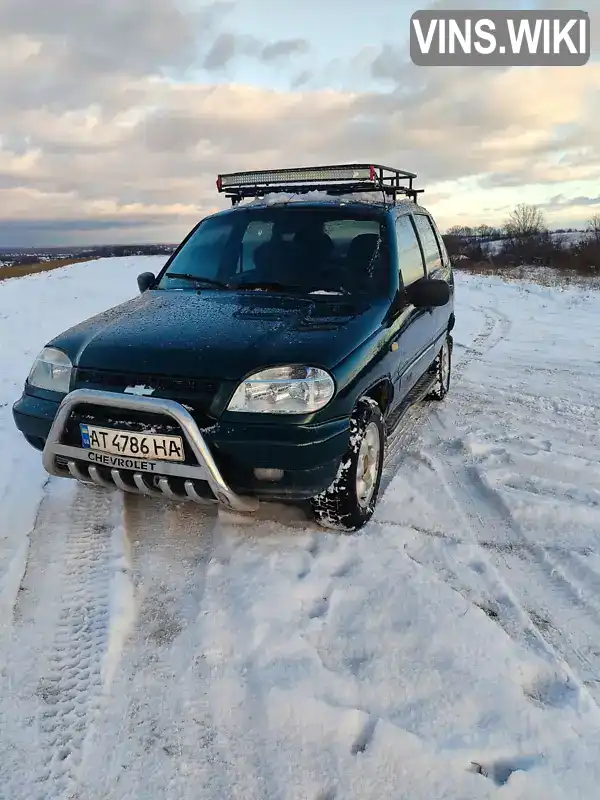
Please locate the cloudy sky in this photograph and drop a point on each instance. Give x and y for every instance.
(117, 115)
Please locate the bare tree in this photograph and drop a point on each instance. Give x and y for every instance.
(593, 228)
(485, 231)
(525, 222)
(461, 231)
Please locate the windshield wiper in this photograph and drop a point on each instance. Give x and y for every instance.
(339, 290)
(312, 291)
(275, 285)
(187, 276)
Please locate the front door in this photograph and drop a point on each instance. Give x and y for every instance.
(412, 328)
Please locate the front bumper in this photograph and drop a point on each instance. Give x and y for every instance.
(221, 458)
(83, 464)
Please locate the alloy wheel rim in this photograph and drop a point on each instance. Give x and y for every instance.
(368, 465)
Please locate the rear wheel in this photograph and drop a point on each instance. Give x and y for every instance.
(350, 501)
(442, 369)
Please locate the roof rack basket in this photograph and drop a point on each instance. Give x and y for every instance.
(335, 179)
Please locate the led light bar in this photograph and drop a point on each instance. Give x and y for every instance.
(334, 179)
(299, 174)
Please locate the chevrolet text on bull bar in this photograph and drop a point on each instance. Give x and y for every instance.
(271, 357)
(500, 38)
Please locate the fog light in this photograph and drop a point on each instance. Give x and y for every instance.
(272, 475)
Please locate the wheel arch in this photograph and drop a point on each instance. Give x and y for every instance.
(382, 393)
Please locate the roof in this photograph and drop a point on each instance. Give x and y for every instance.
(320, 198)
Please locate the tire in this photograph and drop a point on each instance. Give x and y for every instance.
(442, 370)
(341, 506)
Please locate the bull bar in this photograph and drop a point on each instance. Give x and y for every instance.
(206, 470)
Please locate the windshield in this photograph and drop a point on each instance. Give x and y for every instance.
(304, 250)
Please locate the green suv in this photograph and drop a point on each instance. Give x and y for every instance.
(269, 359)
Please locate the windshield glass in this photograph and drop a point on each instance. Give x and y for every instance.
(303, 250)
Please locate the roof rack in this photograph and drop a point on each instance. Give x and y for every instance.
(335, 179)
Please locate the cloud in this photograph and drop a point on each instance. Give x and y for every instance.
(229, 46)
(301, 79)
(108, 118)
(134, 38)
(561, 201)
(283, 49)
(89, 231)
(390, 64)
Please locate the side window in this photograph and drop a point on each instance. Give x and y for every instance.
(431, 248)
(410, 259)
(446, 270)
(442, 246)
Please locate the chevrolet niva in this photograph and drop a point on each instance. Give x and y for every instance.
(270, 358)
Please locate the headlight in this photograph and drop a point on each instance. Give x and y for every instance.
(284, 390)
(51, 370)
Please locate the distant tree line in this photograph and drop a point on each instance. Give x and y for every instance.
(19, 260)
(525, 239)
(120, 250)
(11, 258)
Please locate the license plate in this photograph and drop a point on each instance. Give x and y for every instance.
(131, 444)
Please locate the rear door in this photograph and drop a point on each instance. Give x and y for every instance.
(412, 326)
(437, 264)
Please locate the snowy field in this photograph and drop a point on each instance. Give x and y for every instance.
(451, 650)
(569, 239)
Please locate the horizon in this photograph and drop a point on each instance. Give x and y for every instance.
(47, 248)
(123, 142)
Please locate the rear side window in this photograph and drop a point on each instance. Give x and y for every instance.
(445, 273)
(410, 260)
(442, 246)
(431, 248)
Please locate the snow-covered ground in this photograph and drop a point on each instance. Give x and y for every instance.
(450, 650)
(568, 239)
(533, 273)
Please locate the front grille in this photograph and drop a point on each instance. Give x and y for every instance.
(198, 393)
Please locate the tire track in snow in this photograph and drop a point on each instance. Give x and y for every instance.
(283, 742)
(159, 737)
(501, 328)
(191, 709)
(11, 577)
(64, 596)
(234, 635)
(237, 697)
(556, 584)
(496, 327)
(513, 604)
(569, 580)
(202, 766)
(503, 544)
(519, 400)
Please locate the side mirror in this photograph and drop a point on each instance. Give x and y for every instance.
(428, 293)
(145, 281)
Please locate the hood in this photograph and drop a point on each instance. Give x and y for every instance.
(218, 334)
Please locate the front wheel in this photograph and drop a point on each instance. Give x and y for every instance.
(350, 501)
